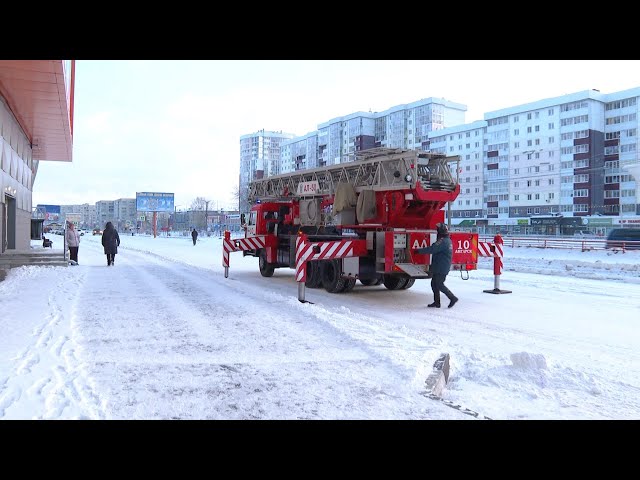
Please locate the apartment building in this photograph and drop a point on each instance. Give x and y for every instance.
(260, 157)
(574, 155)
(87, 213)
(337, 140)
(571, 156)
(121, 212)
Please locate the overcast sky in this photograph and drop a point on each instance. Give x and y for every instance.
(175, 126)
(163, 334)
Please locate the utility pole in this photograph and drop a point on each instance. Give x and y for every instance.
(206, 215)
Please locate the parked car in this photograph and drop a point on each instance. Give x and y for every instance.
(627, 238)
(97, 231)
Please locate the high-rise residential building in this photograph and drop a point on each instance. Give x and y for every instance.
(337, 140)
(87, 214)
(121, 212)
(125, 213)
(469, 142)
(36, 124)
(573, 156)
(105, 212)
(266, 153)
(299, 153)
(259, 157)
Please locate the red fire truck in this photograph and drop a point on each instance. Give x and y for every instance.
(359, 221)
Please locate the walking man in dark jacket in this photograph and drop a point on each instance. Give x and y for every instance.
(441, 251)
(194, 235)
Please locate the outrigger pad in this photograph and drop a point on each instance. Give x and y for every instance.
(497, 291)
(439, 377)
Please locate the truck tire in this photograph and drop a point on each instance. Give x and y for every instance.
(394, 282)
(314, 275)
(349, 284)
(332, 281)
(266, 268)
(372, 281)
(409, 283)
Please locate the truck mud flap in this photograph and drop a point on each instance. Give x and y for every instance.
(414, 271)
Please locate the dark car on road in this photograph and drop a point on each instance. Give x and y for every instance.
(625, 238)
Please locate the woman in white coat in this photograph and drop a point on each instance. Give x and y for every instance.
(73, 241)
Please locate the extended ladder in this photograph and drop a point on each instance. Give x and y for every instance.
(374, 169)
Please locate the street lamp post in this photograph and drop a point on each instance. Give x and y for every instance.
(206, 216)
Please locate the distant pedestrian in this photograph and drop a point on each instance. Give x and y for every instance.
(110, 242)
(73, 241)
(194, 235)
(442, 251)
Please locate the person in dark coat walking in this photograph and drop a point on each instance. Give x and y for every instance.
(110, 242)
(442, 251)
(194, 235)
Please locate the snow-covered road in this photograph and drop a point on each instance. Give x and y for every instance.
(163, 335)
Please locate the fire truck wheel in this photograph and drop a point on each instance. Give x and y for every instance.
(372, 281)
(409, 283)
(266, 269)
(314, 275)
(393, 282)
(331, 279)
(349, 284)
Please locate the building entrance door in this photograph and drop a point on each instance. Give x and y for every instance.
(9, 223)
(3, 222)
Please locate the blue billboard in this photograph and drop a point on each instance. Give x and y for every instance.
(154, 202)
(51, 212)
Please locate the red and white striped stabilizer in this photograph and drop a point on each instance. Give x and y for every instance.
(303, 251)
(488, 249)
(485, 250)
(323, 251)
(228, 245)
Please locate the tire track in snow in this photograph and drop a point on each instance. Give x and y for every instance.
(47, 374)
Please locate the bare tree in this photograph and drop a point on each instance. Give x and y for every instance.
(236, 195)
(200, 203)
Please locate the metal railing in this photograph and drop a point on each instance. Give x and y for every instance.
(570, 243)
